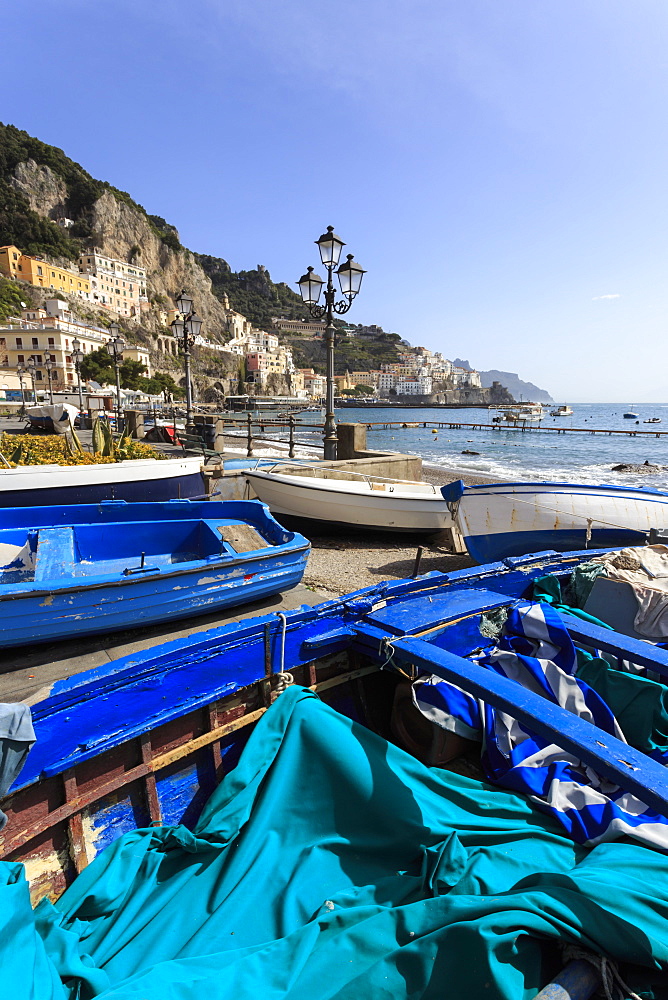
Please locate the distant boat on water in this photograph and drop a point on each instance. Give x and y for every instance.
(630, 415)
(561, 411)
(519, 413)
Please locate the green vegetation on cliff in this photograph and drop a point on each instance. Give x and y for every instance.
(252, 293)
(355, 354)
(35, 234)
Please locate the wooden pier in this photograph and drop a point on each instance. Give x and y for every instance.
(505, 426)
(522, 426)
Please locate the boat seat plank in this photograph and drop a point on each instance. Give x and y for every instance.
(419, 614)
(242, 537)
(55, 553)
(629, 768)
(624, 646)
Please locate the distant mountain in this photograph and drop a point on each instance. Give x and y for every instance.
(512, 382)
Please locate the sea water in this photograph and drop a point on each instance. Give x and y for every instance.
(510, 453)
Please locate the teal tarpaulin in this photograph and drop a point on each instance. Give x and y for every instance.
(331, 864)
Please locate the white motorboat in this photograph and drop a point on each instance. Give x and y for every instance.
(513, 519)
(341, 497)
(561, 411)
(518, 413)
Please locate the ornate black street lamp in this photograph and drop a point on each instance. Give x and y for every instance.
(32, 366)
(115, 348)
(77, 358)
(310, 285)
(49, 365)
(186, 330)
(21, 371)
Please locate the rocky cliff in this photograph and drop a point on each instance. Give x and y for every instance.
(520, 389)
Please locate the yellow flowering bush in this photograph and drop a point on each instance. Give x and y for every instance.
(53, 449)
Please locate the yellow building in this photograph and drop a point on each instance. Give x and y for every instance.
(10, 257)
(40, 273)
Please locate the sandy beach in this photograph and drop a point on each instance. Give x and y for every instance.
(342, 561)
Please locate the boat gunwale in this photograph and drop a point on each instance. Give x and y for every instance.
(191, 567)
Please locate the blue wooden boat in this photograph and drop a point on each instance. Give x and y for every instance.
(146, 741)
(91, 568)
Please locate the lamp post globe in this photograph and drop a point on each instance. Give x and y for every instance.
(310, 286)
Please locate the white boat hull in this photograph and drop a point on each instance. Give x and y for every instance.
(135, 480)
(512, 519)
(343, 502)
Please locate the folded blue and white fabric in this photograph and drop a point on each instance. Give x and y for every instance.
(537, 652)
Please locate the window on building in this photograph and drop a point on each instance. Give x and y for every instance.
(52, 342)
(35, 342)
(38, 376)
(53, 357)
(38, 359)
(21, 358)
(19, 342)
(20, 267)
(39, 270)
(53, 274)
(70, 377)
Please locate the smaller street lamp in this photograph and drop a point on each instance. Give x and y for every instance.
(115, 348)
(32, 367)
(77, 358)
(186, 330)
(49, 365)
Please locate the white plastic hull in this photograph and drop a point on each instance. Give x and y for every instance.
(348, 503)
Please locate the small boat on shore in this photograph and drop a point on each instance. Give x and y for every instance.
(53, 419)
(84, 569)
(337, 496)
(167, 814)
(134, 480)
(497, 520)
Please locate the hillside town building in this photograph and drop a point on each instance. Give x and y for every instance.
(48, 334)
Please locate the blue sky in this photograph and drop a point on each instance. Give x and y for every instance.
(498, 166)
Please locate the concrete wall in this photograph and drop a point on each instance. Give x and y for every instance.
(232, 485)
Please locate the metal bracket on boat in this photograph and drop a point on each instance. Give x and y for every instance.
(612, 759)
(326, 640)
(141, 568)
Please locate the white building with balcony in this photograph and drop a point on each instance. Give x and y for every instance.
(114, 284)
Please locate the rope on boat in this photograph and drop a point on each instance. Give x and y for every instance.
(590, 520)
(284, 679)
(613, 985)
